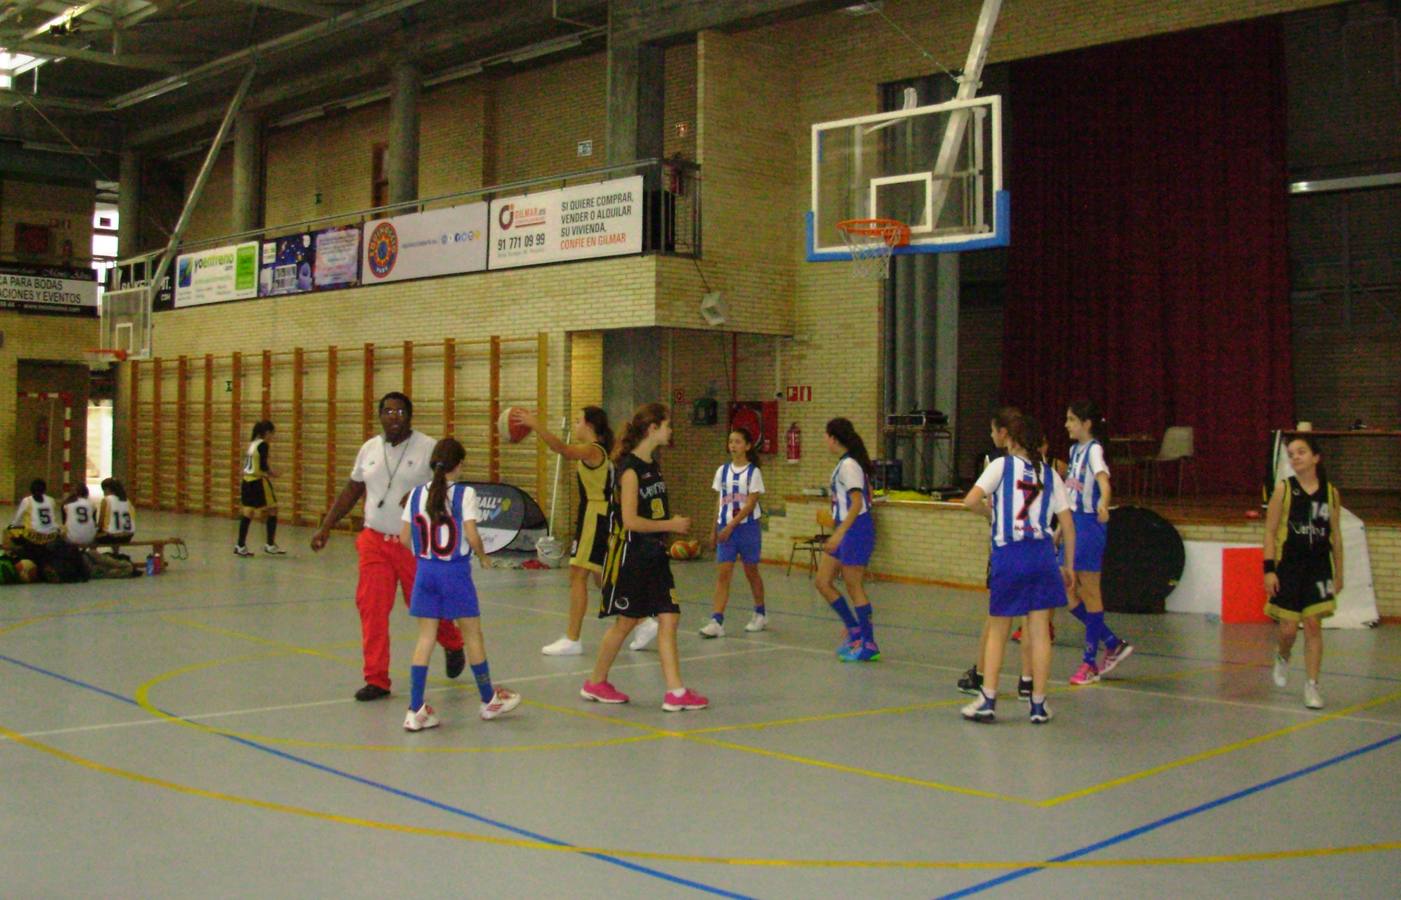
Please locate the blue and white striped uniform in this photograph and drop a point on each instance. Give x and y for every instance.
(1086, 462)
(859, 542)
(1091, 535)
(1024, 498)
(443, 587)
(735, 486)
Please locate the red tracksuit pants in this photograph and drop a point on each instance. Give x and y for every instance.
(385, 565)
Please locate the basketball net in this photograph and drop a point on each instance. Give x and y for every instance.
(871, 243)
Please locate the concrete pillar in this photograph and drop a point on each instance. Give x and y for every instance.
(636, 94)
(247, 209)
(406, 83)
(946, 358)
(129, 203)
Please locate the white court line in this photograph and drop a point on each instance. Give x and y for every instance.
(314, 703)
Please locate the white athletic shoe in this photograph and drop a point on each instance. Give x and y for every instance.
(1280, 671)
(643, 634)
(273, 550)
(502, 701)
(240, 550)
(423, 717)
(1312, 698)
(758, 623)
(564, 647)
(712, 629)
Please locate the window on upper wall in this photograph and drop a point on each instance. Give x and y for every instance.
(379, 184)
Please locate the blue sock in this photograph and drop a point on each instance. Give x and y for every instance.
(1094, 633)
(841, 609)
(418, 677)
(1080, 613)
(863, 616)
(483, 676)
(718, 617)
(759, 609)
(1109, 639)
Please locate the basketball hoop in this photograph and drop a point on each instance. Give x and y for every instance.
(872, 242)
(100, 357)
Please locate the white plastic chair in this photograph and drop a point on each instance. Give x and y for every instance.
(1178, 447)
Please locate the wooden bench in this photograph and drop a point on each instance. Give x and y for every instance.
(157, 546)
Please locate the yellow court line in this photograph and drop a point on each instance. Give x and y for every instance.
(1217, 751)
(526, 844)
(827, 717)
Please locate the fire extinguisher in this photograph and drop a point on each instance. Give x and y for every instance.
(793, 443)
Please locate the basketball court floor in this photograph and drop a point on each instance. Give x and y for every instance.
(194, 733)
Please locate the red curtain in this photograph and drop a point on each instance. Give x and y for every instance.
(1148, 265)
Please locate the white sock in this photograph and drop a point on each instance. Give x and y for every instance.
(678, 692)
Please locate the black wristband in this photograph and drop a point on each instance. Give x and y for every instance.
(1269, 567)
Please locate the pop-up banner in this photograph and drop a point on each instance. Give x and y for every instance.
(421, 245)
(214, 276)
(49, 290)
(582, 222)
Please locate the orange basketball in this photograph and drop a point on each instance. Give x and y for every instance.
(684, 549)
(510, 426)
(28, 572)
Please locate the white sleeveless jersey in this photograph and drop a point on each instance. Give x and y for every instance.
(735, 486)
(848, 476)
(1018, 493)
(445, 541)
(37, 516)
(117, 517)
(80, 521)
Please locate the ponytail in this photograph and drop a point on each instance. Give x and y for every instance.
(448, 454)
(1025, 431)
(647, 415)
(115, 487)
(597, 418)
(844, 433)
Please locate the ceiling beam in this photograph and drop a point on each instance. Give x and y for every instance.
(153, 62)
(301, 7)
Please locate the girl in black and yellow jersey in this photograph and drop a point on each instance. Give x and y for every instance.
(1303, 561)
(637, 580)
(593, 442)
(258, 497)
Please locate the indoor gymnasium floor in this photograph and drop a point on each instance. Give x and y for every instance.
(194, 733)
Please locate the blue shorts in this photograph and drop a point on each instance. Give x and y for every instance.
(444, 590)
(1090, 537)
(858, 543)
(1024, 578)
(745, 542)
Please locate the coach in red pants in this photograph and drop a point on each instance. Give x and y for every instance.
(388, 467)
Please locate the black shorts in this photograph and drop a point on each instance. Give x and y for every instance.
(643, 585)
(258, 494)
(1305, 590)
(591, 540)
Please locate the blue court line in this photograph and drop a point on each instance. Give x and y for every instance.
(1174, 817)
(407, 795)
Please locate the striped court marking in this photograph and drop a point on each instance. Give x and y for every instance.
(536, 843)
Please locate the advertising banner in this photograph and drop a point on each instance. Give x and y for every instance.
(336, 253)
(214, 276)
(507, 514)
(582, 222)
(421, 245)
(50, 290)
(138, 274)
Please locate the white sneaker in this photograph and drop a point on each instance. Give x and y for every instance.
(1312, 698)
(643, 634)
(423, 717)
(564, 647)
(712, 629)
(240, 550)
(273, 550)
(758, 623)
(1280, 671)
(502, 701)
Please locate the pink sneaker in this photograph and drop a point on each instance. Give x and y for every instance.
(1086, 674)
(687, 699)
(603, 692)
(503, 700)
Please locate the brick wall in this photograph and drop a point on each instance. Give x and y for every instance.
(539, 116)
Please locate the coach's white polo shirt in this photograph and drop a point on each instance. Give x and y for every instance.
(408, 464)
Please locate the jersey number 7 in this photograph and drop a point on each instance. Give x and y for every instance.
(1030, 491)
